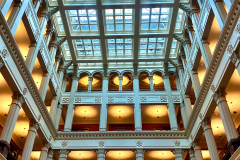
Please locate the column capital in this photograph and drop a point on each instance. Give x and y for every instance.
(90, 78)
(45, 145)
(139, 152)
(150, 77)
(219, 95)
(1, 63)
(205, 41)
(166, 76)
(18, 99)
(206, 124)
(105, 77)
(101, 153)
(33, 124)
(53, 45)
(178, 152)
(191, 153)
(195, 145)
(60, 106)
(64, 152)
(135, 77)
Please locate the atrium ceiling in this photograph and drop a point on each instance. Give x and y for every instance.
(119, 33)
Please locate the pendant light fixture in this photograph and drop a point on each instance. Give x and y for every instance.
(234, 111)
(84, 114)
(157, 114)
(119, 114)
(23, 132)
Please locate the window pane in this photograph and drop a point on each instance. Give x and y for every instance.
(76, 27)
(109, 19)
(119, 19)
(155, 10)
(84, 20)
(153, 26)
(93, 27)
(128, 27)
(119, 27)
(144, 26)
(110, 27)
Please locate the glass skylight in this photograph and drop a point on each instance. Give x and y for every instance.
(155, 19)
(180, 20)
(58, 21)
(65, 49)
(121, 47)
(87, 47)
(150, 64)
(152, 46)
(83, 21)
(119, 20)
(89, 65)
(120, 64)
(174, 48)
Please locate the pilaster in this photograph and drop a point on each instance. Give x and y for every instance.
(90, 79)
(103, 112)
(178, 154)
(139, 154)
(137, 106)
(101, 154)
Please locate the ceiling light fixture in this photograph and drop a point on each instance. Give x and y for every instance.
(23, 132)
(119, 114)
(157, 114)
(84, 114)
(234, 111)
(219, 135)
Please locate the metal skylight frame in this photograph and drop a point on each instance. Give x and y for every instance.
(135, 35)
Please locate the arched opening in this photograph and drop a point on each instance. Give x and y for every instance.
(69, 83)
(83, 82)
(144, 83)
(113, 84)
(97, 82)
(172, 81)
(158, 83)
(127, 81)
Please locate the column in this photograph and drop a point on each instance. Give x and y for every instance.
(190, 32)
(59, 112)
(30, 60)
(69, 116)
(103, 112)
(48, 36)
(219, 12)
(137, 106)
(191, 154)
(64, 83)
(171, 108)
(195, 82)
(139, 154)
(207, 54)
(120, 83)
(90, 79)
(188, 105)
(28, 146)
(228, 3)
(44, 85)
(44, 151)
(101, 154)
(225, 114)
(43, 22)
(50, 154)
(57, 60)
(63, 154)
(5, 6)
(53, 108)
(178, 154)
(60, 75)
(53, 51)
(212, 147)
(16, 16)
(37, 4)
(17, 100)
(197, 151)
(183, 115)
(151, 83)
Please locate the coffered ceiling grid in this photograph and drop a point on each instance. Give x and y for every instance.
(135, 35)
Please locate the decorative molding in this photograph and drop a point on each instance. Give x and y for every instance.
(64, 144)
(110, 99)
(177, 143)
(39, 118)
(4, 53)
(163, 98)
(143, 99)
(139, 143)
(98, 99)
(130, 99)
(65, 100)
(1, 63)
(78, 100)
(101, 143)
(176, 98)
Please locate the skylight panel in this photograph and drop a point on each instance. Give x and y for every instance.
(66, 51)
(118, 20)
(120, 47)
(152, 46)
(180, 20)
(174, 48)
(87, 47)
(150, 64)
(58, 23)
(83, 21)
(120, 64)
(154, 19)
(90, 65)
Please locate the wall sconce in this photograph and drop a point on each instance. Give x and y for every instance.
(234, 111)
(23, 132)
(157, 114)
(84, 114)
(119, 114)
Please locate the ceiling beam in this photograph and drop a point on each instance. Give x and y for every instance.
(67, 30)
(171, 29)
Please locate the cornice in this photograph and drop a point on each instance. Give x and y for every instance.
(121, 135)
(230, 23)
(23, 70)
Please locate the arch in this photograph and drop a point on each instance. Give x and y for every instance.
(111, 71)
(97, 71)
(82, 71)
(156, 70)
(143, 70)
(69, 82)
(130, 71)
(172, 81)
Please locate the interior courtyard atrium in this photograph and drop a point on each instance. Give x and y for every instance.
(119, 79)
